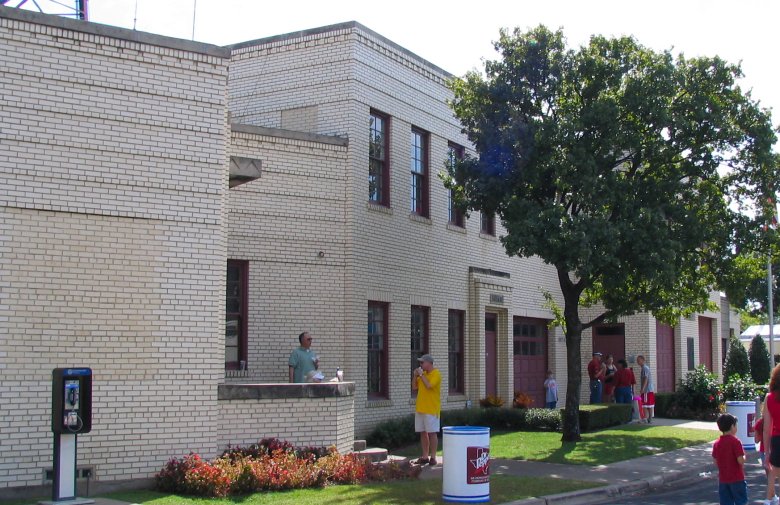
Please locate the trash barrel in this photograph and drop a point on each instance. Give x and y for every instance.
(466, 464)
(745, 413)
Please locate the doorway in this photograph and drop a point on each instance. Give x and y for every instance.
(491, 353)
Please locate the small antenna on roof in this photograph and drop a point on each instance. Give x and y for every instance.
(194, 9)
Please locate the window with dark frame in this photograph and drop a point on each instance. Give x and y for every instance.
(377, 350)
(529, 337)
(488, 224)
(378, 165)
(236, 315)
(689, 344)
(419, 173)
(419, 335)
(454, 153)
(455, 327)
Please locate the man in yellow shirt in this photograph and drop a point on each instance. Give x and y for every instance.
(426, 380)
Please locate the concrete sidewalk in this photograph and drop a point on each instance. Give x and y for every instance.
(620, 478)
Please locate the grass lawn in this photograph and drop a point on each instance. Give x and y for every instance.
(597, 448)
(418, 492)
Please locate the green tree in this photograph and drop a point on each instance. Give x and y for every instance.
(625, 169)
(759, 360)
(737, 362)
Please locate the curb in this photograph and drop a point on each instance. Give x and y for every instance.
(597, 495)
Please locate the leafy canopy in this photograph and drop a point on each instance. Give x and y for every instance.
(628, 170)
(638, 176)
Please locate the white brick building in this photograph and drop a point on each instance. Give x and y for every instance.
(117, 224)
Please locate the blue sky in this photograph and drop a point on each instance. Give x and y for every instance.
(457, 35)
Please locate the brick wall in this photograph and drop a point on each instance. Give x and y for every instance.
(389, 255)
(113, 171)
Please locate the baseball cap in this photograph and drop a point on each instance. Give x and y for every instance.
(426, 357)
(595, 353)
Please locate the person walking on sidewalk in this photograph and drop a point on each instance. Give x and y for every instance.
(730, 458)
(426, 380)
(646, 388)
(771, 436)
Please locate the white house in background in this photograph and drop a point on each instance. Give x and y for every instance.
(761, 329)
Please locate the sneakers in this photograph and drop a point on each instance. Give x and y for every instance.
(422, 461)
(432, 462)
(773, 501)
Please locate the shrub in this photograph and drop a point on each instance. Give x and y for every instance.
(758, 355)
(242, 471)
(208, 480)
(739, 388)
(349, 469)
(662, 403)
(491, 401)
(698, 396)
(737, 362)
(522, 400)
(393, 433)
(596, 417)
(543, 420)
(171, 477)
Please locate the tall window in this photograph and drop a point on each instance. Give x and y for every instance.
(419, 335)
(235, 315)
(377, 350)
(419, 171)
(455, 350)
(378, 166)
(488, 226)
(454, 153)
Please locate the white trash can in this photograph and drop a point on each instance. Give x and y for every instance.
(466, 464)
(745, 413)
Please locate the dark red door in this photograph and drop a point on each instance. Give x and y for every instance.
(530, 357)
(664, 361)
(705, 342)
(491, 358)
(610, 339)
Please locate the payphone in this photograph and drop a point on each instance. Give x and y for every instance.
(71, 407)
(71, 400)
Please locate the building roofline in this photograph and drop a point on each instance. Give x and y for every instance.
(115, 32)
(289, 134)
(349, 25)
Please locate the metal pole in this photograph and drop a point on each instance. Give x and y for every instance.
(769, 309)
(194, 10)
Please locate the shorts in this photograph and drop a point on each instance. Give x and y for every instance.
(774, 453)
(648, 399)
(427, 423)
(733, 493)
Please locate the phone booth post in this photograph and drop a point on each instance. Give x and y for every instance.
(71, 403)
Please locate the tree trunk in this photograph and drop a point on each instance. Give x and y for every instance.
(571, 413)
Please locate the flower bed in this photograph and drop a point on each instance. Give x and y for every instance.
(272, 465)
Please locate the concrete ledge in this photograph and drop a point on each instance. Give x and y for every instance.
(289, 134)
(283, 391)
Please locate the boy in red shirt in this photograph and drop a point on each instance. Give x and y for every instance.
(730, 458)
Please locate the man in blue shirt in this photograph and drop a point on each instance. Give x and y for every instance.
(302, 360)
